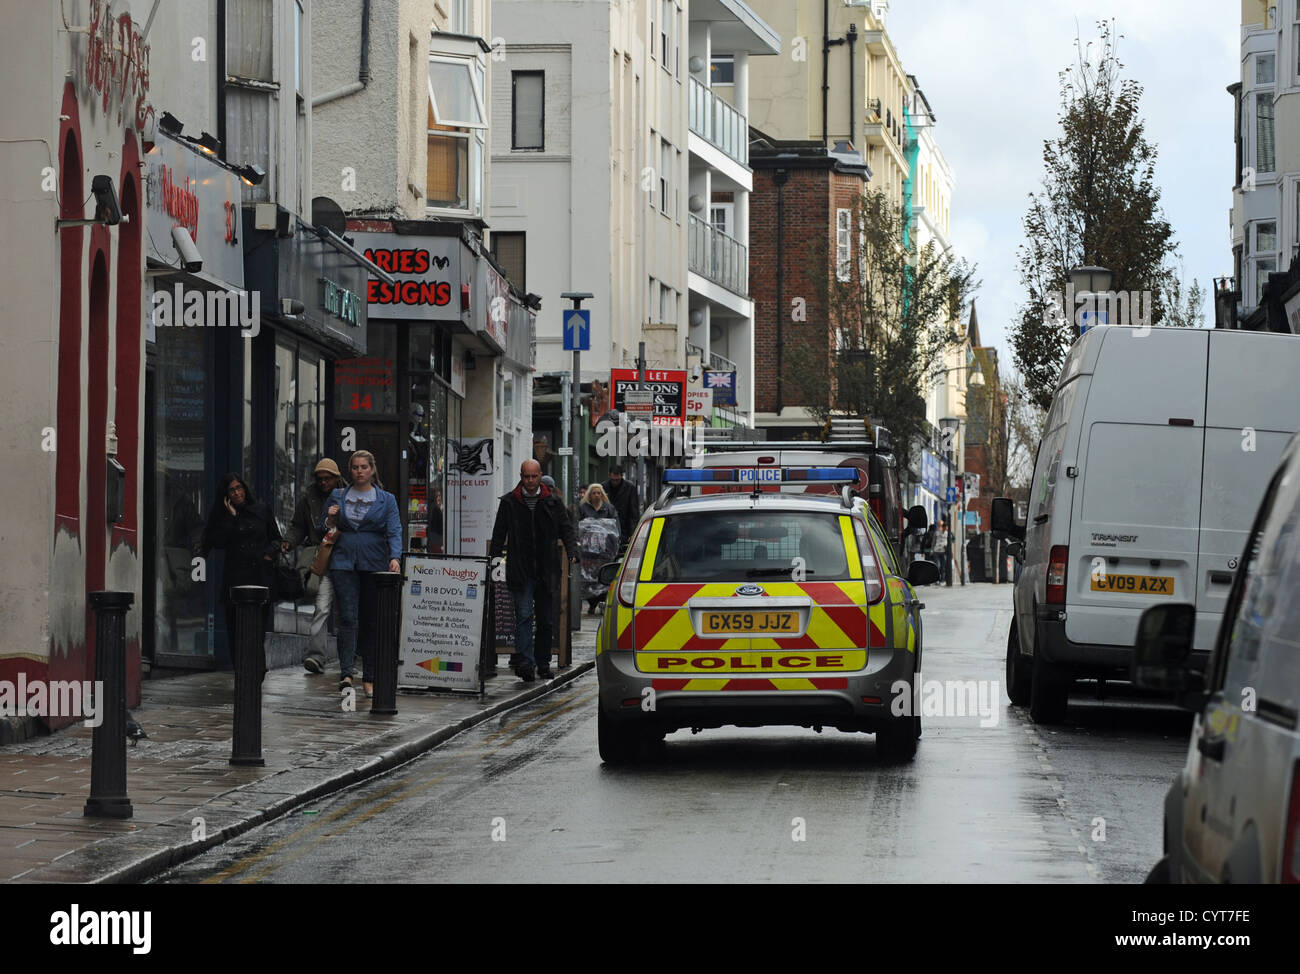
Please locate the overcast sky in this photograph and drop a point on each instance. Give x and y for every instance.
(990, 72)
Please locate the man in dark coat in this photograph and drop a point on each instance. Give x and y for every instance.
(530, 520)
(622, 494)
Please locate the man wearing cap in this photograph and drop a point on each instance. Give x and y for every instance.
(303, 530)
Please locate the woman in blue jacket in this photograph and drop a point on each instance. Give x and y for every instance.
(369, 541)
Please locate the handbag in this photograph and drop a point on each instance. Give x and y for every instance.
(288, 583)
(310, 582)
(323, 552)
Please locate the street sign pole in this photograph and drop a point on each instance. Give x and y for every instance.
(581, 337)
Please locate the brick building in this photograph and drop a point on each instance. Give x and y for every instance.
(798, 216)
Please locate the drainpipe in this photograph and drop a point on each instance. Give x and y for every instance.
(221, 75)
(781, 177)
(827, 43)
(363, 75)
(826, 84)
(852, 39)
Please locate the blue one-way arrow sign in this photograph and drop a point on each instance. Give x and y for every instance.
(577, 330)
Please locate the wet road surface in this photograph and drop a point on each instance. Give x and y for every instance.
(526, 798)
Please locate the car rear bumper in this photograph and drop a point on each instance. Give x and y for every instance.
(1087, 658)
(835, 701)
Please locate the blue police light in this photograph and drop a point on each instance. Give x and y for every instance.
(761, 475)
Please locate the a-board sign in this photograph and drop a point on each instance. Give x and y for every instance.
(443, 600)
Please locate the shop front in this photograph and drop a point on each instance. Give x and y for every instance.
(196, 305)
(243, 340)
(405, 398)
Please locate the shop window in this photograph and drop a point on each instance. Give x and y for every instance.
(364, 387)
(182, 488)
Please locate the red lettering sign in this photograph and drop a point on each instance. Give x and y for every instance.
(118, 66)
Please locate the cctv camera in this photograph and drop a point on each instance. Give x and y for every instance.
(191, 259)
(107, 211)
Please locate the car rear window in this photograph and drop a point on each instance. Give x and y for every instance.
(725, 545)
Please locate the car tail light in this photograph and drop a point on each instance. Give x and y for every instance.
(1056, 565)
(1291, 844)
(632, 566)
(872, 575)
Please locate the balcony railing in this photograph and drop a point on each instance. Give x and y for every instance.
(722, 259)
(713, 120)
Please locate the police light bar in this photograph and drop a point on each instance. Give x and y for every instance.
(762, 475)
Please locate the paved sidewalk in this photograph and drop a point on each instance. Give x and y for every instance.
(182, 772)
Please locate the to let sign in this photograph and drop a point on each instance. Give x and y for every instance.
(667, 385)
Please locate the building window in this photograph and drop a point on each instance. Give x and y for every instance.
(665, 168)
(527, 110)
(510, 253)
(667, 300)
(1264, 67)
(458, 20)
(842, 244)
(456, 130)
(1264, 149)
(1264, 266)
(722, 70)
(652, 300)
(1266, 237)
(665, 33)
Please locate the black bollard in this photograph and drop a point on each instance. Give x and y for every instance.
(388, 609)
(108, 798)
(248, 652)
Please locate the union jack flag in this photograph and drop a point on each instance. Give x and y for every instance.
(719, 380)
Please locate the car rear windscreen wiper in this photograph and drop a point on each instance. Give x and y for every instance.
(786, 570)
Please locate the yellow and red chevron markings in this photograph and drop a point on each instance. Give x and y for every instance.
(838, 618)
(715, 684)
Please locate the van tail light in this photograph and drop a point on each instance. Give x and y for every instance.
(632, 566)
(1056, 574)
(877, 505)
(1291, 845)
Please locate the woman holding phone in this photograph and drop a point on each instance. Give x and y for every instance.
(369, 541)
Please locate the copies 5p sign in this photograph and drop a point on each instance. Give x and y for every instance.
(668, 386)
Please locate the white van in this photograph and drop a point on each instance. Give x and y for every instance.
(1233, 813)
(1155, 454)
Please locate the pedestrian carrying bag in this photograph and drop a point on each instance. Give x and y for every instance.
(326, 548)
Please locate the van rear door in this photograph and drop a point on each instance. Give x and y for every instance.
(1135, 525)
(1250, 414)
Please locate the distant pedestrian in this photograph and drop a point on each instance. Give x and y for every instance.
(940, 545)
(305, 529)
(530, 520)
(598, 537)
(246, 530)
(622, 494)
(369, 541)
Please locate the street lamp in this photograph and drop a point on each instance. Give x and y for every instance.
(1090, 281)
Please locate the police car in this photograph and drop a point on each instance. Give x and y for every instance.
(752, 608)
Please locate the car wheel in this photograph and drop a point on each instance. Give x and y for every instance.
(1160, 873)
(896, 742)
(1018, 672)
(618, 744)
(1049, 691)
